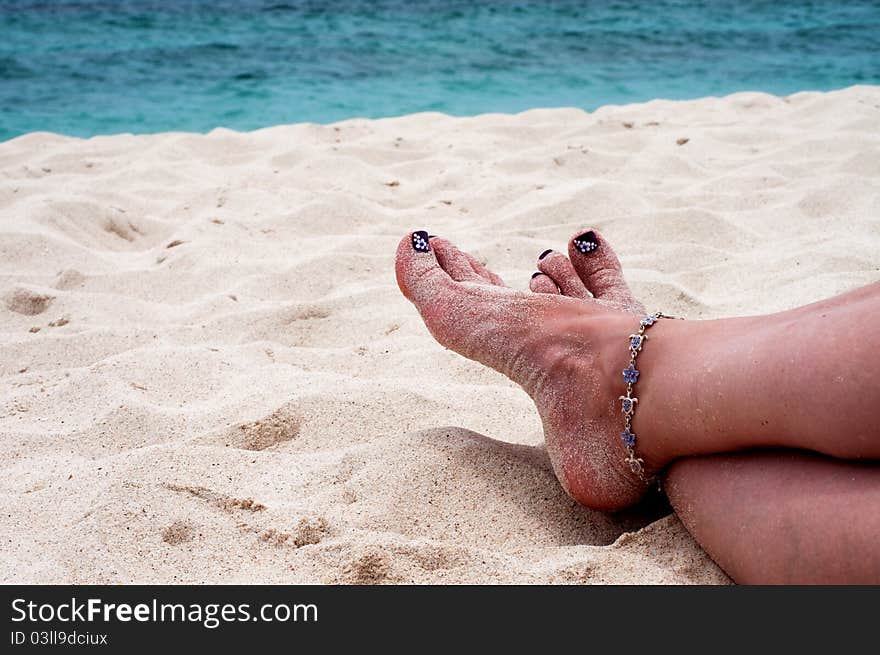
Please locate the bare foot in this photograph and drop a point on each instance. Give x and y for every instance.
(566, 351)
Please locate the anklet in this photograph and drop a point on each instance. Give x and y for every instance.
(628, 402)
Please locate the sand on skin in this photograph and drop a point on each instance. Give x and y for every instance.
(207, 373)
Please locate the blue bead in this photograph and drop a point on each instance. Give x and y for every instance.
(630, 374)
(628, 438)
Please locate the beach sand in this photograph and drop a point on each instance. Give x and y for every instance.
(208, 374)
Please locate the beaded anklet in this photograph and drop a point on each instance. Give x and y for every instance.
(628, 402)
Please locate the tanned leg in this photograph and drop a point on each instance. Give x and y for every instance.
(782, 518)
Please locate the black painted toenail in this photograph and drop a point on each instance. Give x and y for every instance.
(586, 242)
(420, 241)
(535, 274)
(545, 253)
(431, 236)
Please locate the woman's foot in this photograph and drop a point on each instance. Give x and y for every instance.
(566, 351)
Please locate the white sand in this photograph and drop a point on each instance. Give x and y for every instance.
(260, 404)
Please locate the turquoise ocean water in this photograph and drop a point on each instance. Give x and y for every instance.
(85, 68)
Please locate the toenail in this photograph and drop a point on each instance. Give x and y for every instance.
(586, 242)
(431, 236)
(535, 274)
(420, 241)
(545, 253)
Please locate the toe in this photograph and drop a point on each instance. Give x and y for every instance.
(599, 268)
(481, 270)
(558, 267)
(419, 274)
(541, 283)
(455, 262)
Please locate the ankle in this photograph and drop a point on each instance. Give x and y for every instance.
(658, 385)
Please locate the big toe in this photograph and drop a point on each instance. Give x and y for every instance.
(419, 274)
(599, 268)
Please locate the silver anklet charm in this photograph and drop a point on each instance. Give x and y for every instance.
(628, 402)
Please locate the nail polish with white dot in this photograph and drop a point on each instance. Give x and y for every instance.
(586, 242)
(420, 241)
